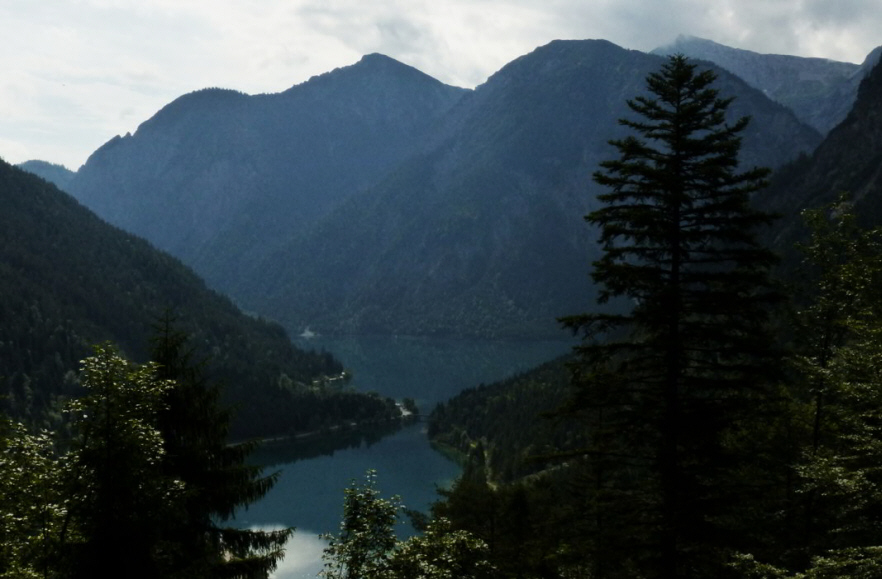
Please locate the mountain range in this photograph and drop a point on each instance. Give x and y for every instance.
(497, 426)
(375, 199)
(496, 417)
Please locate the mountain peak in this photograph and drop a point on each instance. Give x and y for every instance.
(557, 55)
(688, 40)
(371, 68)
(377, 63)
(380, 59)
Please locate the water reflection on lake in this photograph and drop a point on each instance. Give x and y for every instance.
(313, 473)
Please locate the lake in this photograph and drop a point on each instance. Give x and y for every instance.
(314, 473)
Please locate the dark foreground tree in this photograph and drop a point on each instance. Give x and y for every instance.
(215, 475)
(146, 485)
(834, 530)
(667, 383)
(151, 478)
(117, 497)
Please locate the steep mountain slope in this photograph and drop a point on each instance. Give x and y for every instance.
(217, 177)
(819, 91)
(849, 160)
(483, 233)
(68, 280)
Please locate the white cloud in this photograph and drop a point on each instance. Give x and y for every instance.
(77, 72)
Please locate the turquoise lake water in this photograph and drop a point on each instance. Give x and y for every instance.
(314, 473)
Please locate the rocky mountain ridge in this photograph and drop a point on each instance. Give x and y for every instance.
(820, 91)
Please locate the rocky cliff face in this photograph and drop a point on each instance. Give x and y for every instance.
(821, 92)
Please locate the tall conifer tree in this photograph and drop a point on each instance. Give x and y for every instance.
(666, 381)
(216, 478)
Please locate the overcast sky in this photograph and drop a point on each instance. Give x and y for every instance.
(77, 72)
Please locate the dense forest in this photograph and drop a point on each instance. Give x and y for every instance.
(69, 281)
(498, 422)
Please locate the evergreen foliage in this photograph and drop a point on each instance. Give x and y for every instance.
(666, 382)
(441, 553)
(32, 508)
(834, 519)
(500, 422)
(805, 504)
(686, 453)
(118, 497)
(215, 475)
(367, 533)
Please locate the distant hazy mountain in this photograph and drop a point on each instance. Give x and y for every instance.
(376, 199)
(818, 90)
(483, 233)
(849, 160)
(69, 280)
(59, 175)
(218, 177)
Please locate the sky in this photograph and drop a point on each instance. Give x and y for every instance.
(75, 73)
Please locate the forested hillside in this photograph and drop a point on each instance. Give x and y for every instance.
(501, 424)
(710, 423)
(848, 161)
(68, 281)
(58, 175)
